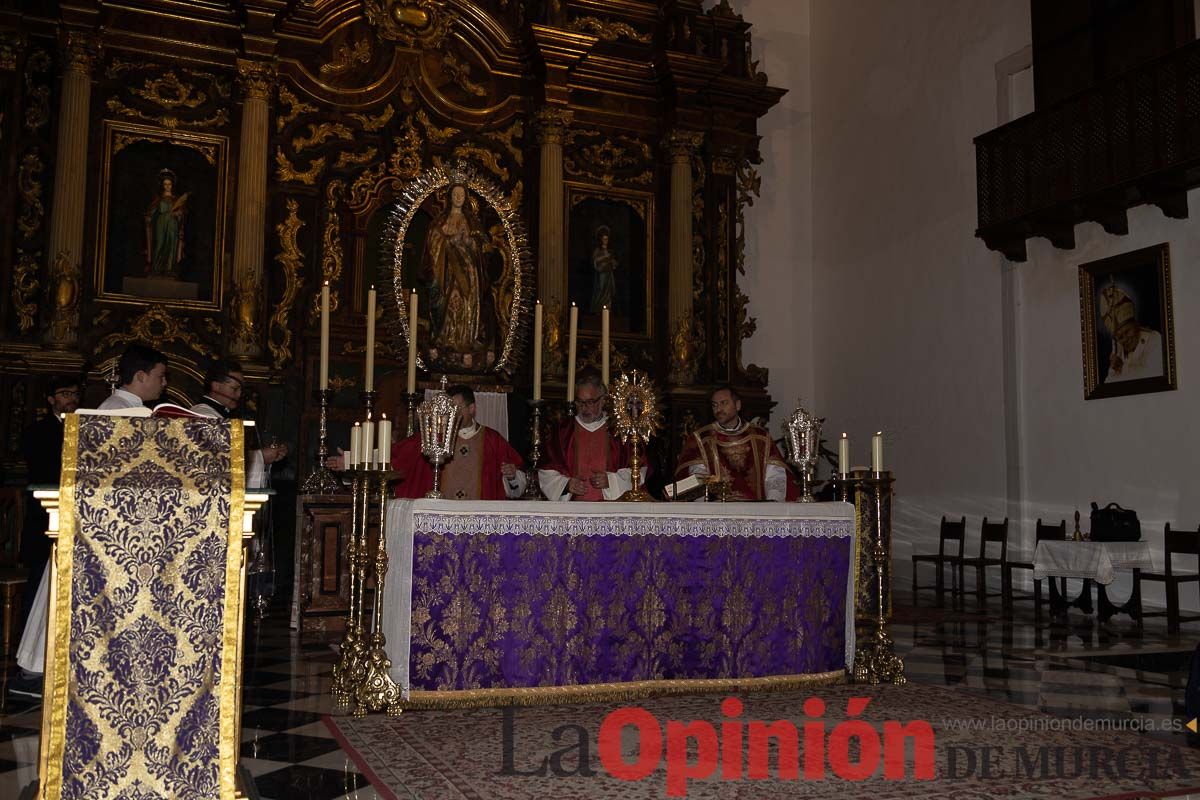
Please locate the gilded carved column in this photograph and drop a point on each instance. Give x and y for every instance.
(70, 190)
(256, 78)
(681, 145)
(552, 124)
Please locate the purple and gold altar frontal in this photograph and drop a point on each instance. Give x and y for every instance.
(141, 675)
(523, 602)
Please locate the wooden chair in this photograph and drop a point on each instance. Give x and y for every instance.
(1183, 543)
(949, 532)
(1041, 533)
(995, 533)
(12, 576)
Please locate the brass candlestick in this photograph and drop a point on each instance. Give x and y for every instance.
(875, 659)
(439, 430)
(375, 689)
(635, 405)
(347, 671)
(321, 480)
(533, 491)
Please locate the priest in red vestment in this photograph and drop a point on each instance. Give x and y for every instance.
(583, 460)
(484, 466)
(736, 451)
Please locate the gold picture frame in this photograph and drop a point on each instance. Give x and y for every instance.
(1128, 324)
(619, 270)
(162, 224)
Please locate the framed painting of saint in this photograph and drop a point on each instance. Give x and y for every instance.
(457, 242)
(161, 229)
(1128, 324)
(609, 258)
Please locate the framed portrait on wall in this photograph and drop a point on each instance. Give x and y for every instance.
(610, 253)
(161, 228)
(1128, 323)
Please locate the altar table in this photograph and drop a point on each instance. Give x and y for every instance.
(517, 601)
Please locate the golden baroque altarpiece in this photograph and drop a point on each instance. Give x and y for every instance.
(194, 188)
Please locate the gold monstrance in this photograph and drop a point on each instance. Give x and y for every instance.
(635, 407)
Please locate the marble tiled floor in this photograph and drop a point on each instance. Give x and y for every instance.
(1077, 669)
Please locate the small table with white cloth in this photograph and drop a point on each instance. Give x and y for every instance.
(1092, 561)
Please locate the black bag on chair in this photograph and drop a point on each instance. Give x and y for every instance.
(1115, 524)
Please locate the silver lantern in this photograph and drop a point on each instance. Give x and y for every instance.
(438, 419)
(802, 431)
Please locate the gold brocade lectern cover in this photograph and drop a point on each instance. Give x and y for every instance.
(143, 645)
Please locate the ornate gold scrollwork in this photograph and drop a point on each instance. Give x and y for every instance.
(356, 159)
(553, 351)
(331, 249)
(346, 57)
(749, 184)
(722, 250)
(81, 50)
(339, 382)
(369, 123)
(170, 92)
(699, 254)
(11, 45)
(66, 283)
(287, 173)
(506, 137)
(607, 30)
(247, 295)
(683, 351)
(217, 120)
(485, 157)
(603, 161)
(291, 263)
(157, 324)
(37, 95)
(123, 140)
(295, 108)
(25, 283)
(436, 135)
(319, 133)
(29, 186)
(256, 78)
(422, 22)
(459, 72)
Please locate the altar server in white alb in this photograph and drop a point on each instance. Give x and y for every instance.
(142, 372)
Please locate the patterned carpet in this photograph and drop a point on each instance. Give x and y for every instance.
(462, 754)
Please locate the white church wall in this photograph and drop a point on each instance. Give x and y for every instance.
(908, 326)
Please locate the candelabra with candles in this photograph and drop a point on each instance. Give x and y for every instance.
(875, 660)
(321, 480)
(439, 420)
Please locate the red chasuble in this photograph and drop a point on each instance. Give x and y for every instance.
(740, 458)
(577, 453)
(418, 474)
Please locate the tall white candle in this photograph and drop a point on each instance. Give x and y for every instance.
(537, 351)
(877, 452)
(604, 345)
(325, 335)
(369, 382)
(412, 342)
(844, 455)
(355, 445)
(368, 443)
(385, 440)
(571, 353)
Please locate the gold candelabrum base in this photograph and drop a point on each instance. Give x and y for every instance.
(322, 480)
(533, 490)
(636, 494)
(875, 659)
(361, 681)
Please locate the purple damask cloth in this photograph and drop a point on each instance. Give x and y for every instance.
(510, 610)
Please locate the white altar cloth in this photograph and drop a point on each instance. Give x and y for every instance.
(404, 517)
(1095, 560)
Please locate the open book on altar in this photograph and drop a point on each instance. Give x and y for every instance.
(689, 488)
(162, 410)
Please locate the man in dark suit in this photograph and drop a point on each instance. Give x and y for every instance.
(41, 445)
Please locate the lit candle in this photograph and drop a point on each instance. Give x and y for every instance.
(537, 351)
(385, 441)
(571, 354)
(877, 452)
(368, 443)
(325, 336)
(355, 444)
(370, 379)
(844, 455)
(604, 345)
(412, 343)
